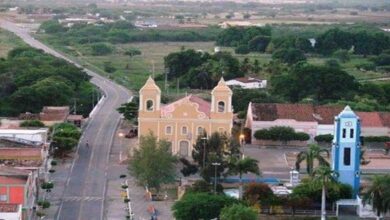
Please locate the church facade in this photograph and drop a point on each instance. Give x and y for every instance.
(182, 121)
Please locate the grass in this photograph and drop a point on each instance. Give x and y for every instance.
(8, 41)
(132, 72)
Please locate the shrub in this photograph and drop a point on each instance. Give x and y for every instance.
(47, 185)
(238, 212)
(100, 49)
(366, 66)
(376, 139)
(281, 133)
(53, 163)
(313, 189)
(32, 123)
(242, 49)
(324, 138)
(194, 206)
(125, 186)
(44, 204)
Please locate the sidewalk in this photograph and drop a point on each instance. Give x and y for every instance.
(114, 204)
(59, 178)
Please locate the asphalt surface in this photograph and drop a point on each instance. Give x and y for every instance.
(84, 195)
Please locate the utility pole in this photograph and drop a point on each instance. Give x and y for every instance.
(204, 150)
(215, 176)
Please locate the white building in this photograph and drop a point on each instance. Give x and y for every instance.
(247, 83)
(33, 135)
(10, 212)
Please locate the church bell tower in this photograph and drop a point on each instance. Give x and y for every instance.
(346, 149)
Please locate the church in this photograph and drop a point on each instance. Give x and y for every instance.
(182, 121)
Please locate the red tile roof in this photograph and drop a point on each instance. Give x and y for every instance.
(323, 114)
(54, 113)
(385, 116)
(370, 119)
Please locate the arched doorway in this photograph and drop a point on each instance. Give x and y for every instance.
(184, 148)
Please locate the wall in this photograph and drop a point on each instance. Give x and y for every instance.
(307, 127)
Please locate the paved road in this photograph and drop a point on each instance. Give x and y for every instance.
(84, 194)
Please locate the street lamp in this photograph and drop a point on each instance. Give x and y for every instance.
(242, 139)
(215, 176)
(204, 150)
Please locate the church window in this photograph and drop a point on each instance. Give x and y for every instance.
(184, 130)
(351, 133)
(344, 132)
(149, 105)
(200, 131)
(347, 156)
(221, 106)
(168, 130)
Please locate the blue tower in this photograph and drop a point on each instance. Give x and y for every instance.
(346, 149)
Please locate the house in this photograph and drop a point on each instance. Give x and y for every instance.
(181, 122)
(10, 211)
(32, 135)
(247, 83)
(311, 119)
(49, 115)
(18, 187)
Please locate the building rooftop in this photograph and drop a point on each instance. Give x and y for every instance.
(202, 105)
(54, 113)
(7, 207)
(323, 114)
(247, 80)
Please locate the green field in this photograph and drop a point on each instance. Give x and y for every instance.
(132, 72)
(8, 41)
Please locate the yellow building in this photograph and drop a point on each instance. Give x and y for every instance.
(181, 122)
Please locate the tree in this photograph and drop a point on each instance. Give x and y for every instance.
(255, 192)
(130, 109)
(242, 49)
(321, 83)
(65, 137)
(32, 123)
(314, 152)
(312, 189)
(378, 194)
(342, 55)
(238, 212)
(195, 206)
(324, 174)
(213, 149)
(242, 166)
(100, 49)
(259, 43)
(289, 56)
(52, 27)
(153, 164)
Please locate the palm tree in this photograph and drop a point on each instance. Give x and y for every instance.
(378, 195)
(314, 152)
(324, 174)
(241, 166)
